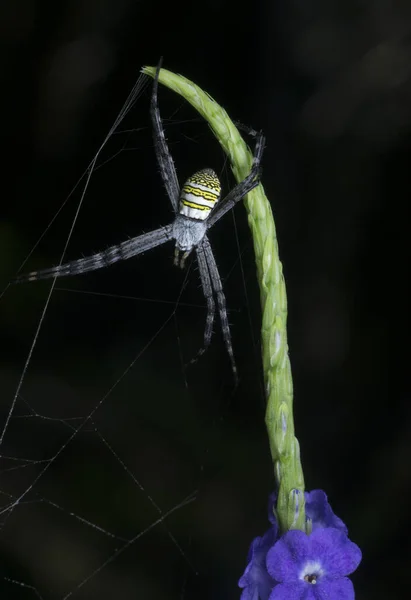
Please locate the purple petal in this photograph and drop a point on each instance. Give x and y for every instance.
(334, 589)
(285, 558)
(339, 556)
(320, 512)
(288, 591)
(250, 593)
(341, 589)
(256, 582)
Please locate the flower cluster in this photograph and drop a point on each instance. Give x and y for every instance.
(297, 566)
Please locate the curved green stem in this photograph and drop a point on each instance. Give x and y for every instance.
(276, 364)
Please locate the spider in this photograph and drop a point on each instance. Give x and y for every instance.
(197, 207)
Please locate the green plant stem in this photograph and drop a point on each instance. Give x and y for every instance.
(276, 364)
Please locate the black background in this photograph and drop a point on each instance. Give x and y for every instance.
(329, 83)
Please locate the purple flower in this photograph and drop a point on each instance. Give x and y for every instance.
(313, 567)
(256, 581)
(314, 562)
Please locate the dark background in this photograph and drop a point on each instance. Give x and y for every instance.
(329, 82)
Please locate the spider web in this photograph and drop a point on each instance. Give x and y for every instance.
(104, 444)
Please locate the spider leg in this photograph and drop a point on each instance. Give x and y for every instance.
(248, 130)
(215, 279)
(123, 251)
(180, 258)
(245, 186)
(208, 295)
(165, 162)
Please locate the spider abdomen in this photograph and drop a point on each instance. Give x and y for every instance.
(199, 195)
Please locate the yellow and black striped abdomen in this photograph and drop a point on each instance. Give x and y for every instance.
(199, 194)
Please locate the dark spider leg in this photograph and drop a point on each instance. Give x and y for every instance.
(208, 295)
(248, 130)
(123, 251)
(218, 289)
(165, 162)
(245, 186)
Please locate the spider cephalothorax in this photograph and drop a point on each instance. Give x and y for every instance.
(197, 206)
